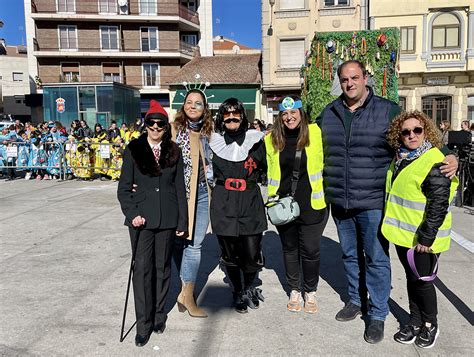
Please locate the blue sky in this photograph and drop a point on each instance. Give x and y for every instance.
(237, 20)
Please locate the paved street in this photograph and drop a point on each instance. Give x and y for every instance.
(65, 256)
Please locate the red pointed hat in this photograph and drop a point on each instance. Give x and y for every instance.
(156, 111)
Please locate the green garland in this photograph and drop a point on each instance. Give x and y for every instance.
(316, 92)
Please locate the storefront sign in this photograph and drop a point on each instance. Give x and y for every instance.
(437, 81)
(60, 105)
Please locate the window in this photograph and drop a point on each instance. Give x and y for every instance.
(470, 108)
(86, 99)
(70, 72)
(336, 2)
(147, 7)
(66, 5)
(190, 4)
(291, 53)
(437, 108)
(402, 103)
(67, 38)
(189, 39)
(149, 36)
(407, 39)
(17, 76)
(292, 4)
(445, 32)
(109, 37)
(111, 72)
(151, 74)
(107, 6)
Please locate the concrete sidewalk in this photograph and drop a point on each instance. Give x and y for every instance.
(65, 256)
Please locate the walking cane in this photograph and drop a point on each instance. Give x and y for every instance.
(132, 264)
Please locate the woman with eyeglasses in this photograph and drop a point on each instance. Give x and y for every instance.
(152, 196)
(417, 219)
(237, 210)
(191, 131)
(301, 238)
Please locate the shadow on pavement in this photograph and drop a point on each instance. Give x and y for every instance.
(271, 246)
(463, 309)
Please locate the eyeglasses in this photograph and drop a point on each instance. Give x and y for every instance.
(231, 120)
(418, 130)
(233, 113)
(151, 122)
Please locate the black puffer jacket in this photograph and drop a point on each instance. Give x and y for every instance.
(436, 188)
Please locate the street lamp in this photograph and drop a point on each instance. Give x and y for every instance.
(270, 29)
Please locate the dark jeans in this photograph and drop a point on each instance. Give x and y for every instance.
(421, 294)
(365, 257)
(151, 276)
(301, 245)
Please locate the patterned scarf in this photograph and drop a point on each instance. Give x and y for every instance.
(410, 155)
(182, 139)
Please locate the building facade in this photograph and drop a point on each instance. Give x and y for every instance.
(436, 55)
(14, 81)
(139, 43)
(288, 27)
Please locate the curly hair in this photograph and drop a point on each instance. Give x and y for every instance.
(432, 133)
(181, 119)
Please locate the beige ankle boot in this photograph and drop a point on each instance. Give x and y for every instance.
(186, 301)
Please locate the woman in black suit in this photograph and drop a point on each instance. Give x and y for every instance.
(157, 206)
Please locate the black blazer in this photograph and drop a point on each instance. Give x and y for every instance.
(160, 195)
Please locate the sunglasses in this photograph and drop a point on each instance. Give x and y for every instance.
(231, 120)
(150, 123)
(417, 131)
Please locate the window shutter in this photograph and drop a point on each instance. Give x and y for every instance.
(291, 4)
(291, 53)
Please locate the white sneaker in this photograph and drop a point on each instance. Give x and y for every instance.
(46, 177)
(295, 304)
(28, 176)
(310, 305)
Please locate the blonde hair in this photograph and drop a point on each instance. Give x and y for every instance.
(432, 133)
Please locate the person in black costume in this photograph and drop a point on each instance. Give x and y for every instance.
(237, 210)
(152, 196)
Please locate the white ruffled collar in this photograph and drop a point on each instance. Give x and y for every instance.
(234, 152)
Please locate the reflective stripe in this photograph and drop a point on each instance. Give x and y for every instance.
(316, 176)
(273, 182)
(419, 206)
(317, 195)
(411, 228)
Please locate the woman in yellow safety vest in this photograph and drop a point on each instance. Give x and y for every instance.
(416, 216)
(300, 238)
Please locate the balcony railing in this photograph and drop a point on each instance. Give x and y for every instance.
(136, 81)
(123, 47)
(91, 7)
(446, 55)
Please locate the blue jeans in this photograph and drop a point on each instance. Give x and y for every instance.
(192, 248)
(365, 257)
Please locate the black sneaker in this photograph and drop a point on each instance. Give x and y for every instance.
(374, 331)
(407, 335)
(348, 312)
(251, 299)
(239, 304)
(427, 336)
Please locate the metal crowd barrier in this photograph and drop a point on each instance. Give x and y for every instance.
(84, 159)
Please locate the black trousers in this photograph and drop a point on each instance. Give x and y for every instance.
(151, 276)
(421, 294)
(242, 253)
(301, 246)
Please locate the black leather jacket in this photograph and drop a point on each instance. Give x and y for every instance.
(436, 188)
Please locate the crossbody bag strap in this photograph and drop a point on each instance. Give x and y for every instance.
(296, 172)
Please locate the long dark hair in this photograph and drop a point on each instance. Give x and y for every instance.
(278, 130)
(169, 154)
(229, 105)
(181, 118)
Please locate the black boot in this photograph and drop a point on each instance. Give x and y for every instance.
(239, 303)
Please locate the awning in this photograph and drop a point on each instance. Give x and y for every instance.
(217, 96)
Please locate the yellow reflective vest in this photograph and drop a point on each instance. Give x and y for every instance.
(405, 203)
(314, 165)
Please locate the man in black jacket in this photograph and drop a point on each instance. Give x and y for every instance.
(357, 157)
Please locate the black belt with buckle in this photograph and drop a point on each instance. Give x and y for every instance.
(234, 184)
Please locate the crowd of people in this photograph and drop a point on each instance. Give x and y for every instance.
(49, 151)
(379, 188)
